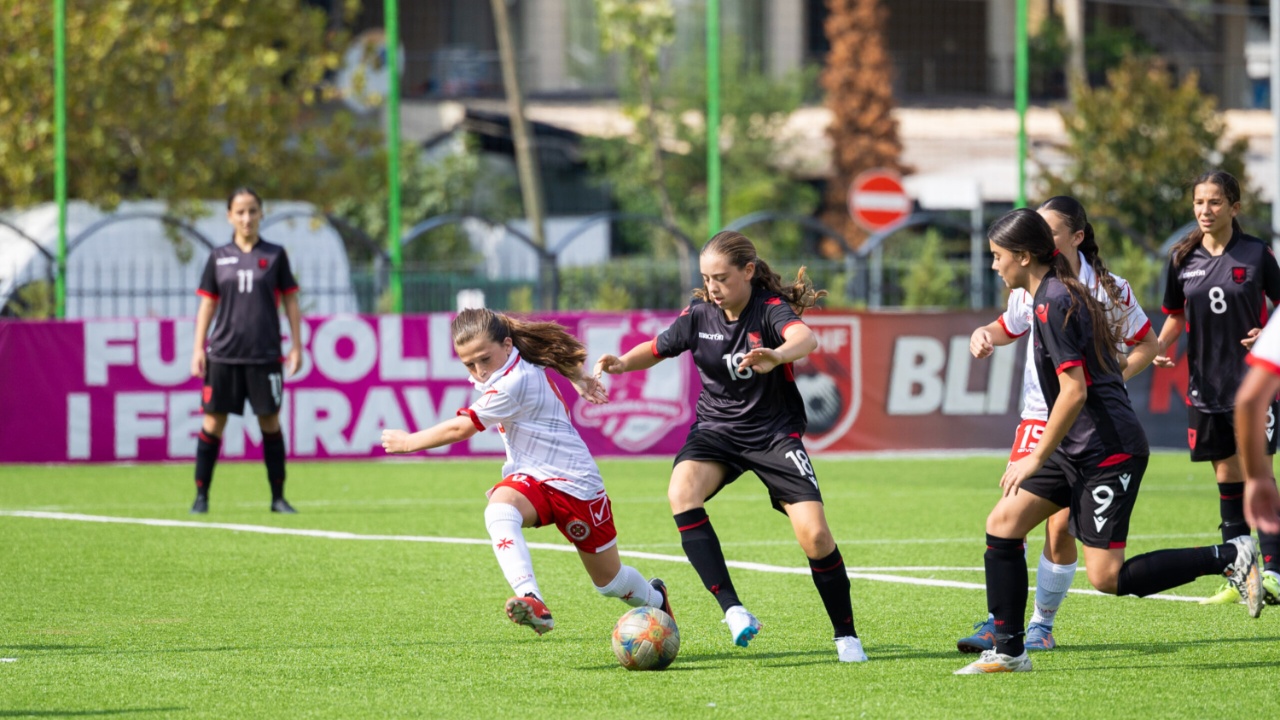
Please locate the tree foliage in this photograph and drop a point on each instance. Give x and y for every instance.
(179, 99)
(1133, 147)
(659, 169)
(859, 85)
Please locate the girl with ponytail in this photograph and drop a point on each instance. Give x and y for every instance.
(1074, 240)
(744, 331)
(550, 476)
(1090, 458)
(1217, 285)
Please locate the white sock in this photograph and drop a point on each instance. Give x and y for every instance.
(1052, 583)
(630, 587)
(504, 523)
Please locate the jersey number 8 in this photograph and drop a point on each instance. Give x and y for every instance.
(1217, 300)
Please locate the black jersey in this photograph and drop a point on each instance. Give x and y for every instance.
(247, 286)
(1221, 299)
(753, 407)
(1107, 426)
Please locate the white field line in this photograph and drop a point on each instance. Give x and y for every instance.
(854, 573)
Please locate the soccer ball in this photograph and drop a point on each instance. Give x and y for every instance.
(646, 638)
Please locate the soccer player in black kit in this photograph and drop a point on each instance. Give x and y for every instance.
(1217, 287)
(1091, 457)
(242, 283)
(744, 331)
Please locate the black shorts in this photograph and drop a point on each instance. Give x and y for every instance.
(1101, 497)
(1212, 436)
(783, 466)
(226, 386)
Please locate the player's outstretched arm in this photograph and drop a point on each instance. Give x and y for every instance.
(1253, 401)
(1140, 355)
(640, 357)
(798, 341)
(399, 442)
(588, 386)
(984, 340)
(1169, 335)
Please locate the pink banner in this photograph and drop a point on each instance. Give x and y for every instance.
(121, 390)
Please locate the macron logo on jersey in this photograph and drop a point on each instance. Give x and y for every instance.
(1191, 274)
(710, 336)
(228, 261)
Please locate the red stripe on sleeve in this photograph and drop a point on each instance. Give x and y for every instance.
(206, 293)
(1171, 311)
(1068, 365)
(292, 290)
(474, 420)
(653, 347)
(1139, 335)
(1006, 329)
(788, 325)
(1263, 364)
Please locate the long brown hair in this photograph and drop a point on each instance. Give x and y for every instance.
(1073, 214)
(1023, 230)
(542, 343)
(1231, 188)
(738, 250)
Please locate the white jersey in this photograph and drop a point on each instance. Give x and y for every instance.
(1266, 350)
(540, 440)
(1017, 321)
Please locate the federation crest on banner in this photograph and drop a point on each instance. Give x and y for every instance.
(644, 405)
(830, 379)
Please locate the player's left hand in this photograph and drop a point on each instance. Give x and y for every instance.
(591, 389)
(293, 363)
(1251, 338)
(1017, 472)
(762, 360)
(396, 442)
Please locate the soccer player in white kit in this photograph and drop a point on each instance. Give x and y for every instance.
(1073, 236)
(549, 476)
(1253, 404)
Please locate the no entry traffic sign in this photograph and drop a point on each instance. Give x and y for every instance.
(878, 200)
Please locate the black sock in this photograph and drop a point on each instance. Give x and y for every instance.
(1007, 591)
(1152, 572)
(702, 547)
(1231, 508)
(1270, 546)
(833, 587)
(207, 446)
(273, 456)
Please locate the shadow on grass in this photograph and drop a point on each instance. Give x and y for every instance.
(86, 713)
(1163, 646)
(795, 659)
(38, 648)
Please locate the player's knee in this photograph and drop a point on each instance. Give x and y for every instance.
(816, 541)
(683, 496)
(215, 424)
(1104, 579)
(1001, 523)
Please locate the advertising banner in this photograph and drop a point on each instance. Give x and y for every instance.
(121, 390)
